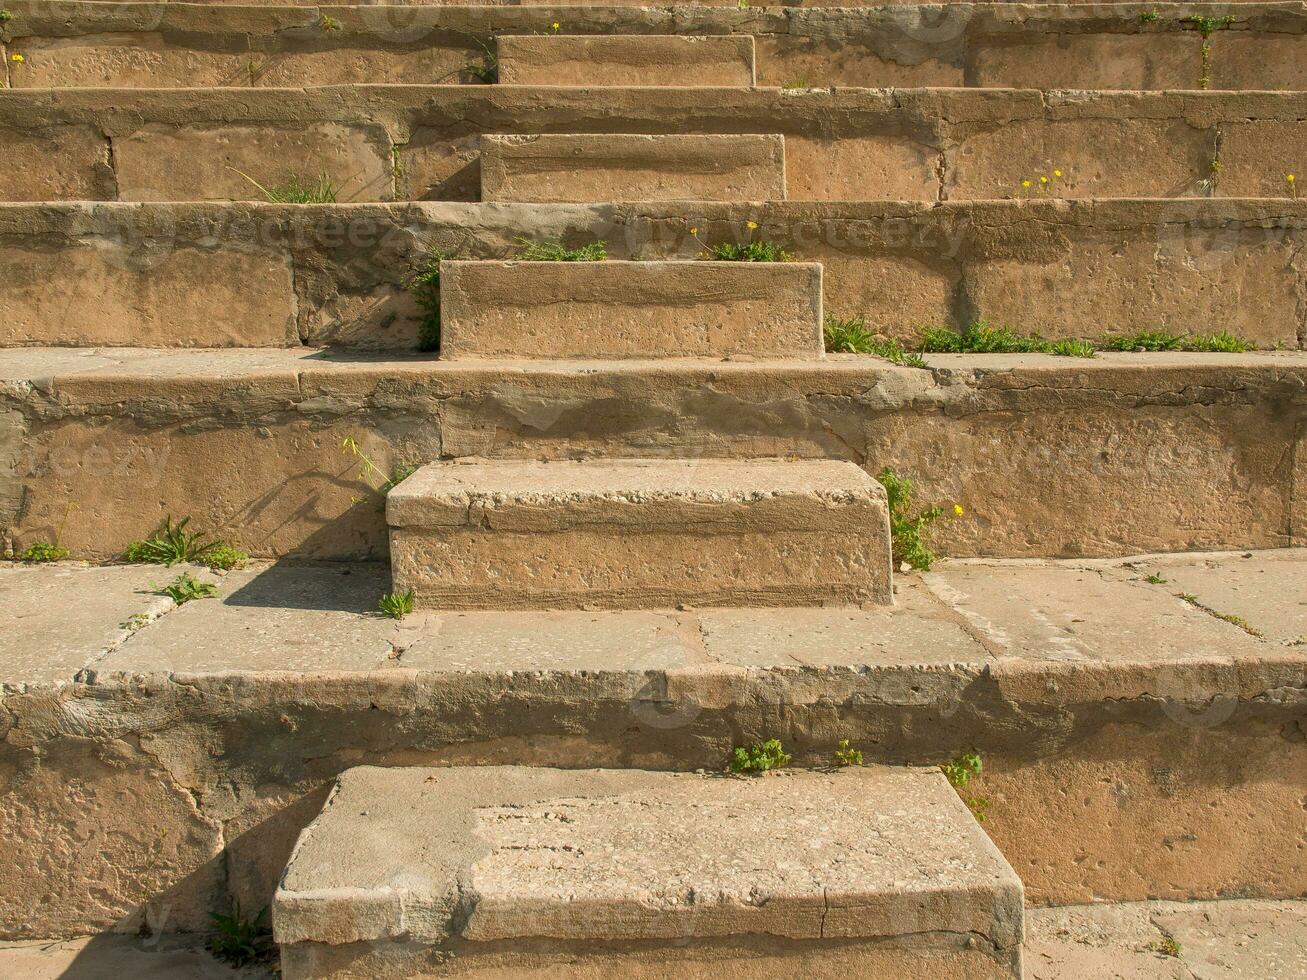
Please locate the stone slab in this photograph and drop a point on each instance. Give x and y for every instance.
(616, 309)
(639, 533)
(1268, 590)
(43, 643)
(549, 168)
(626, 59)
(492, 854)
(1222, 940)
(109, 957)
(269, 617)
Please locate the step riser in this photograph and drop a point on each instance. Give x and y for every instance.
(1000, 45)
(842, 145)
(146, 447)
(626, 60)
(624, 310)
(1049, 268)
(598, 168)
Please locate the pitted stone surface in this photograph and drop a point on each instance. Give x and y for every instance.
(626, 59)
(497, 853)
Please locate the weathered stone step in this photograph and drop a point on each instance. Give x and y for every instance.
(1093, 670)
(601, 167)
(343, 275)
(1072, 46)
(377, 142)
(626, 59)
(618, 310)
(639, 533)
(525, 872)
(1188, 451)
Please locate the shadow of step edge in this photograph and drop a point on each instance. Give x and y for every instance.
(630, 310)
(601, 167)
(640, 534)
(532, 872)
(627, 59)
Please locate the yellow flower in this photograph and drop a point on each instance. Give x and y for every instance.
(1289, 178)
(1025, 183)
(556, 25)
(957, 510)
(694, 231)
(17, 59)
(752, 225)
(1043, 180)
(1057, 173)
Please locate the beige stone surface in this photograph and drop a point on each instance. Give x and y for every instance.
(860, 168)
(159, 162)
(1267, 590)
(108, 957)
(1256, 156)
(1217, 940)
(616, 309)
(43, 643)
(472, 853)
(631, 167)
(1054, 60)
(670, 60)
(639, 534)
(117, 294)
(64, 163)
(1097, 158)
(269, 617)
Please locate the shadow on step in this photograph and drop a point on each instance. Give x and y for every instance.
(334, 586)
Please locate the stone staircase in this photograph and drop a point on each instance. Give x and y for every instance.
(643, 433)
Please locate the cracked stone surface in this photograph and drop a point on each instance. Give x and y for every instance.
(497, 853)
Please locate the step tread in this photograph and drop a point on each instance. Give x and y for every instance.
(493, 853)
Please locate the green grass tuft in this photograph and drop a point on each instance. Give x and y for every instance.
(171, 544)
(225, 557)
(759, 758)
(846, 755)
(908, 531)
(748, 252)
(425, 287)
(1153, 341)
(298, 189)
(239, 940)
(396, 605)
(852, 336)
(529, 251)
(982, 337)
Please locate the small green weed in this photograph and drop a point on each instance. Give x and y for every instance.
(1153, 341)
(171, 544)
(1206, 26)
(1155, 579)
(982, 337)
(845, 755)
(759, 757)
(225, 558)
(135, 622)
(485, 71)
(5, 15)
(1230, 618)
(396, 605)
(349, 445)
(297, 189)
(529, 251)
(329, 23)
(425, 287)
(239, 940)
(908, 531)
(186, 587)
(1149, 17)
(750, 251)
(1167, 946)
(959, 772)
(42, 551)
(851, 336)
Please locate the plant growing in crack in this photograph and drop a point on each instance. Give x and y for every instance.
(754, 760)
(396, 605)
(371, 471)
(959, 772)
(238, 939)
(853, 336)
(186, 588)
(1206, 26)
(908, 531)
(846, 755)
(1230, 618)
(753, 250)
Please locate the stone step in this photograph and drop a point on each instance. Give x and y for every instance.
(1064, 46)
(631, 59)
(1188, 451)
(639, 533)
(619, 310)
(525, 872)
(379, 142)
(581, 167)
(1092, 674)
(342, 275)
